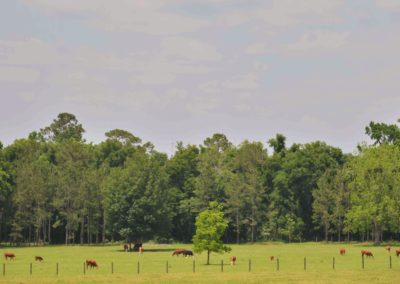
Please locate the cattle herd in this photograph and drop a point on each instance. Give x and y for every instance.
(90, 263)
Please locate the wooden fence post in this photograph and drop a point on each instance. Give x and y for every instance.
(362, 260)
(4, 269)
(305, 264)
(249, 265)
(112, 267)
(57, 268)
(390, 261)
(333, 263)
(222, 265)
(138, 267)
(30, 268)
(167, 267)
(194, 266)
(84, 269)
(277, 264)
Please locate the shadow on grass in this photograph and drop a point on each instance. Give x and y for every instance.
(150, 250)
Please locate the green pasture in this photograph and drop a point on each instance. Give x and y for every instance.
(153, 265)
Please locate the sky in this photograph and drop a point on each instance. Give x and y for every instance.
(171, 71)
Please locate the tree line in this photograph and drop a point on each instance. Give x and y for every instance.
(57, 188)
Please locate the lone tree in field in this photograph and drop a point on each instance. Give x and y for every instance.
(210, 227)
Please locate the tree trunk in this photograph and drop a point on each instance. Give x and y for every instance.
(82, 230)
(237, 228)
(103, 238)
(326, 232)
(208, 257)
(377, 234)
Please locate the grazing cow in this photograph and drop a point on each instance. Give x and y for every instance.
(91, 263)
(177, 252)
(271, 258)
(397, 252)
(367, 253)
(187, 253)
(141, 250)
(137, 246)
(126, 247)
(38, 258)
(342, 251)
(233, 260)
(388, 248)
(9, 255)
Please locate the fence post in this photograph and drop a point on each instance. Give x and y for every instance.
(305, 264)
(4, 269)
(362, 259)
(277, 264)
(167, 267)
(249, 265)
(138, 267)
(112, 267)
(57, 268)
(333, 263)
(84, 269)
(390, 261)
(30, 268)
(194, 266)
(222, 265)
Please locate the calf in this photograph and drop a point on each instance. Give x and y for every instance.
(271, 258)
(126, 247)
(388, 248)
(91, 263)
(9, 255)
(233, 260)
(38, 258)
(141, 250)
(342, 251)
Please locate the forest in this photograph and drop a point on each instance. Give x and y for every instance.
(55, 188)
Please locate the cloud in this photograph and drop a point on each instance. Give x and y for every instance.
(148, 17)
(256, 49)
(29, 51)
(188, 49)
(391, 5)
(241, 82)
(18, 75)
(319, 40)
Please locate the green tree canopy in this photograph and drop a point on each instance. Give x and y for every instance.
(210, 227)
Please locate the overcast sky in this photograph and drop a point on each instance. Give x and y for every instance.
(172, 71)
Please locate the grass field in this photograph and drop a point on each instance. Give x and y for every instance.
(153, 265)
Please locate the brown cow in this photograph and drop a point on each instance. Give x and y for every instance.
(397, 252)
(91, 263)
(342, 251)
(177, 252)
(367, 253)
(141, 250)
(9, 255)
(271, 258)
(233, 260)
(126, 247)
(38, 258)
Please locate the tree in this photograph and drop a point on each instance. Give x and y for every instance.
(375, 191)
(278, 143)
(210, 227)
(64, 127)
(383, 133)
